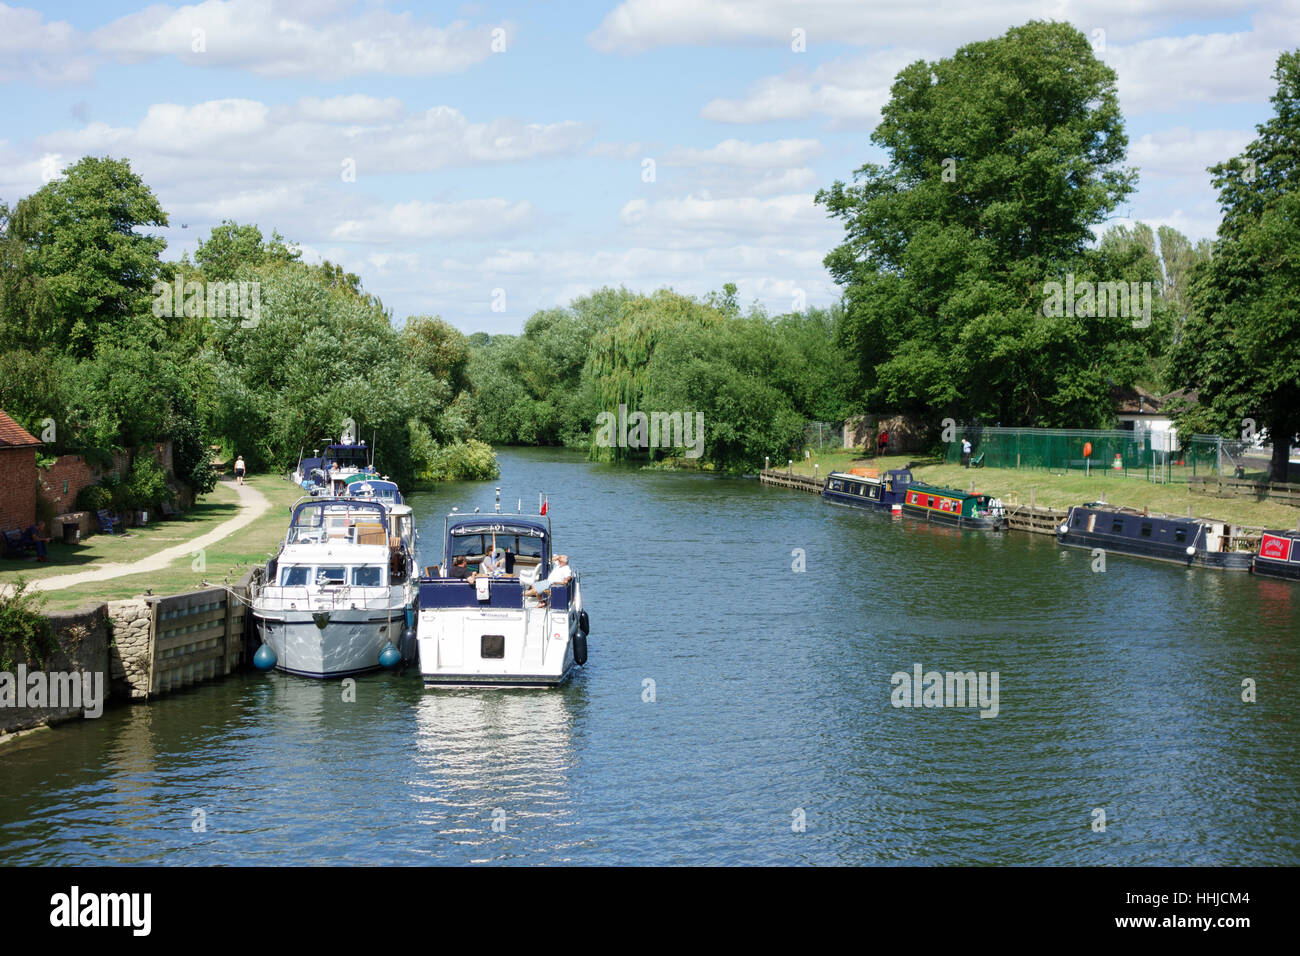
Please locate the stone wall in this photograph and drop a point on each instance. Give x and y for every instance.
(905, 433)
(131, 656)
(83, 638)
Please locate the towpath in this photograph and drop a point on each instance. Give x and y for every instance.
(252, 503)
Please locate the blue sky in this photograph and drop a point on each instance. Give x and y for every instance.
(523, 169)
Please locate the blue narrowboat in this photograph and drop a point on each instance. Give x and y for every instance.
(1192, 542)
(1279, 555)
(868, 491)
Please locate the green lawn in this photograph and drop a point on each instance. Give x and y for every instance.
(246, 546)
(1060, 491)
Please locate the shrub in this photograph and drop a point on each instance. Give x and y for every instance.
(146, 485)
(94, 498)
(462, 461)
(26, 636)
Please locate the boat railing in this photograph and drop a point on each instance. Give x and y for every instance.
(273, 597)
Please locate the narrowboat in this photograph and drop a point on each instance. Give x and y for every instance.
(1191, 542)
(1279, 555)
(949, 506)
(868, 491)
(495, 629)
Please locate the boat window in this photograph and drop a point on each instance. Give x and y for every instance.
(1078, 520)
(294, 577)
(931, 502)
(1146, 529)
(835, 484)
(1117, 526)
(368, 576)
(328, 576)
(1180, 534)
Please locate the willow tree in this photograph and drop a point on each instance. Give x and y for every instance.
(1241, 347)
(1001, 160)
(619, 358)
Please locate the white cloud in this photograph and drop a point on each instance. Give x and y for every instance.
(635, 26)
(778, 154)
(1185, 153)
(699, 220)
(468, 219)
(291, 39)
(39, 51)
(849, 92)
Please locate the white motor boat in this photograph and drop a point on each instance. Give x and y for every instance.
(488, 631)
(339, 590)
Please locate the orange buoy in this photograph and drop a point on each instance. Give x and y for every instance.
(1087, 449)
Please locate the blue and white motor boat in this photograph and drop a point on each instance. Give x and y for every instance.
(487, 631)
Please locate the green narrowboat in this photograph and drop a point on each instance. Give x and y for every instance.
(949, 506)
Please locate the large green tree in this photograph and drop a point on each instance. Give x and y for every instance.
(1241, 343)
(73, 264)
(1002, 158)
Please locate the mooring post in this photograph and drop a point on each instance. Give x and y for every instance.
(789, 467)
(1031, 498)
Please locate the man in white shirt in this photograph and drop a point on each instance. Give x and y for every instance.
(560, 574)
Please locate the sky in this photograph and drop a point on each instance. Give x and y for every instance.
(480, 161)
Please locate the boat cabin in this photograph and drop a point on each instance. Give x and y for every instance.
(947, 502)
(343, 542)
(522, 541)
(871, 490)
(1279, 555)
(376, 489)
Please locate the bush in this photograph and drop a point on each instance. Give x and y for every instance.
(26, 636)
(462, 461)
(94, 498)
(147, 485)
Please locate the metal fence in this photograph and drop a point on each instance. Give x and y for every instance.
(1153, 454)
(823, 435)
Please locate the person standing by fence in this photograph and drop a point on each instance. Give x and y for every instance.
(882, 443)
(965, 452)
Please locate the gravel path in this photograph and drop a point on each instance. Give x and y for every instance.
(252, 503)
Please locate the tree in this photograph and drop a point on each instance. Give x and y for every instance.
(232, 246)
(1001, 160)
(72, 264)
(1241, 344)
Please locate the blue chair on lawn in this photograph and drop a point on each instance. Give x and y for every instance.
(108, 524)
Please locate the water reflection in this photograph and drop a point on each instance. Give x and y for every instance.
(493, 767)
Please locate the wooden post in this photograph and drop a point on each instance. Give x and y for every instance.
(1031, 498)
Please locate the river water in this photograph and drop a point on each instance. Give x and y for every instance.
(734, 710)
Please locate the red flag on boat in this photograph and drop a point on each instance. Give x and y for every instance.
(546, 503)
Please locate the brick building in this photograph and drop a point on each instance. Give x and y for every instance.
(17, 474)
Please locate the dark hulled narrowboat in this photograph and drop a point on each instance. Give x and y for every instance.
(868, 491)
(1279, 555)
(1192, 542)
(949, 506)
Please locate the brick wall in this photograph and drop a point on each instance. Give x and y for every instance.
(69, 470)
(17, 487)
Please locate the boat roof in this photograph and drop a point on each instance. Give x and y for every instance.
(891, 473)
(339, 506)
(529, 525)
(1104, 508)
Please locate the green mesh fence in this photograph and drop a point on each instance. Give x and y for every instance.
(1111, 453)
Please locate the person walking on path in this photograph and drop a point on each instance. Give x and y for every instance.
(965, 452)
(239, 470)
(882, 443)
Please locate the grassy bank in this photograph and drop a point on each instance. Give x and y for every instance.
(1061, 491)
(246, 546)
